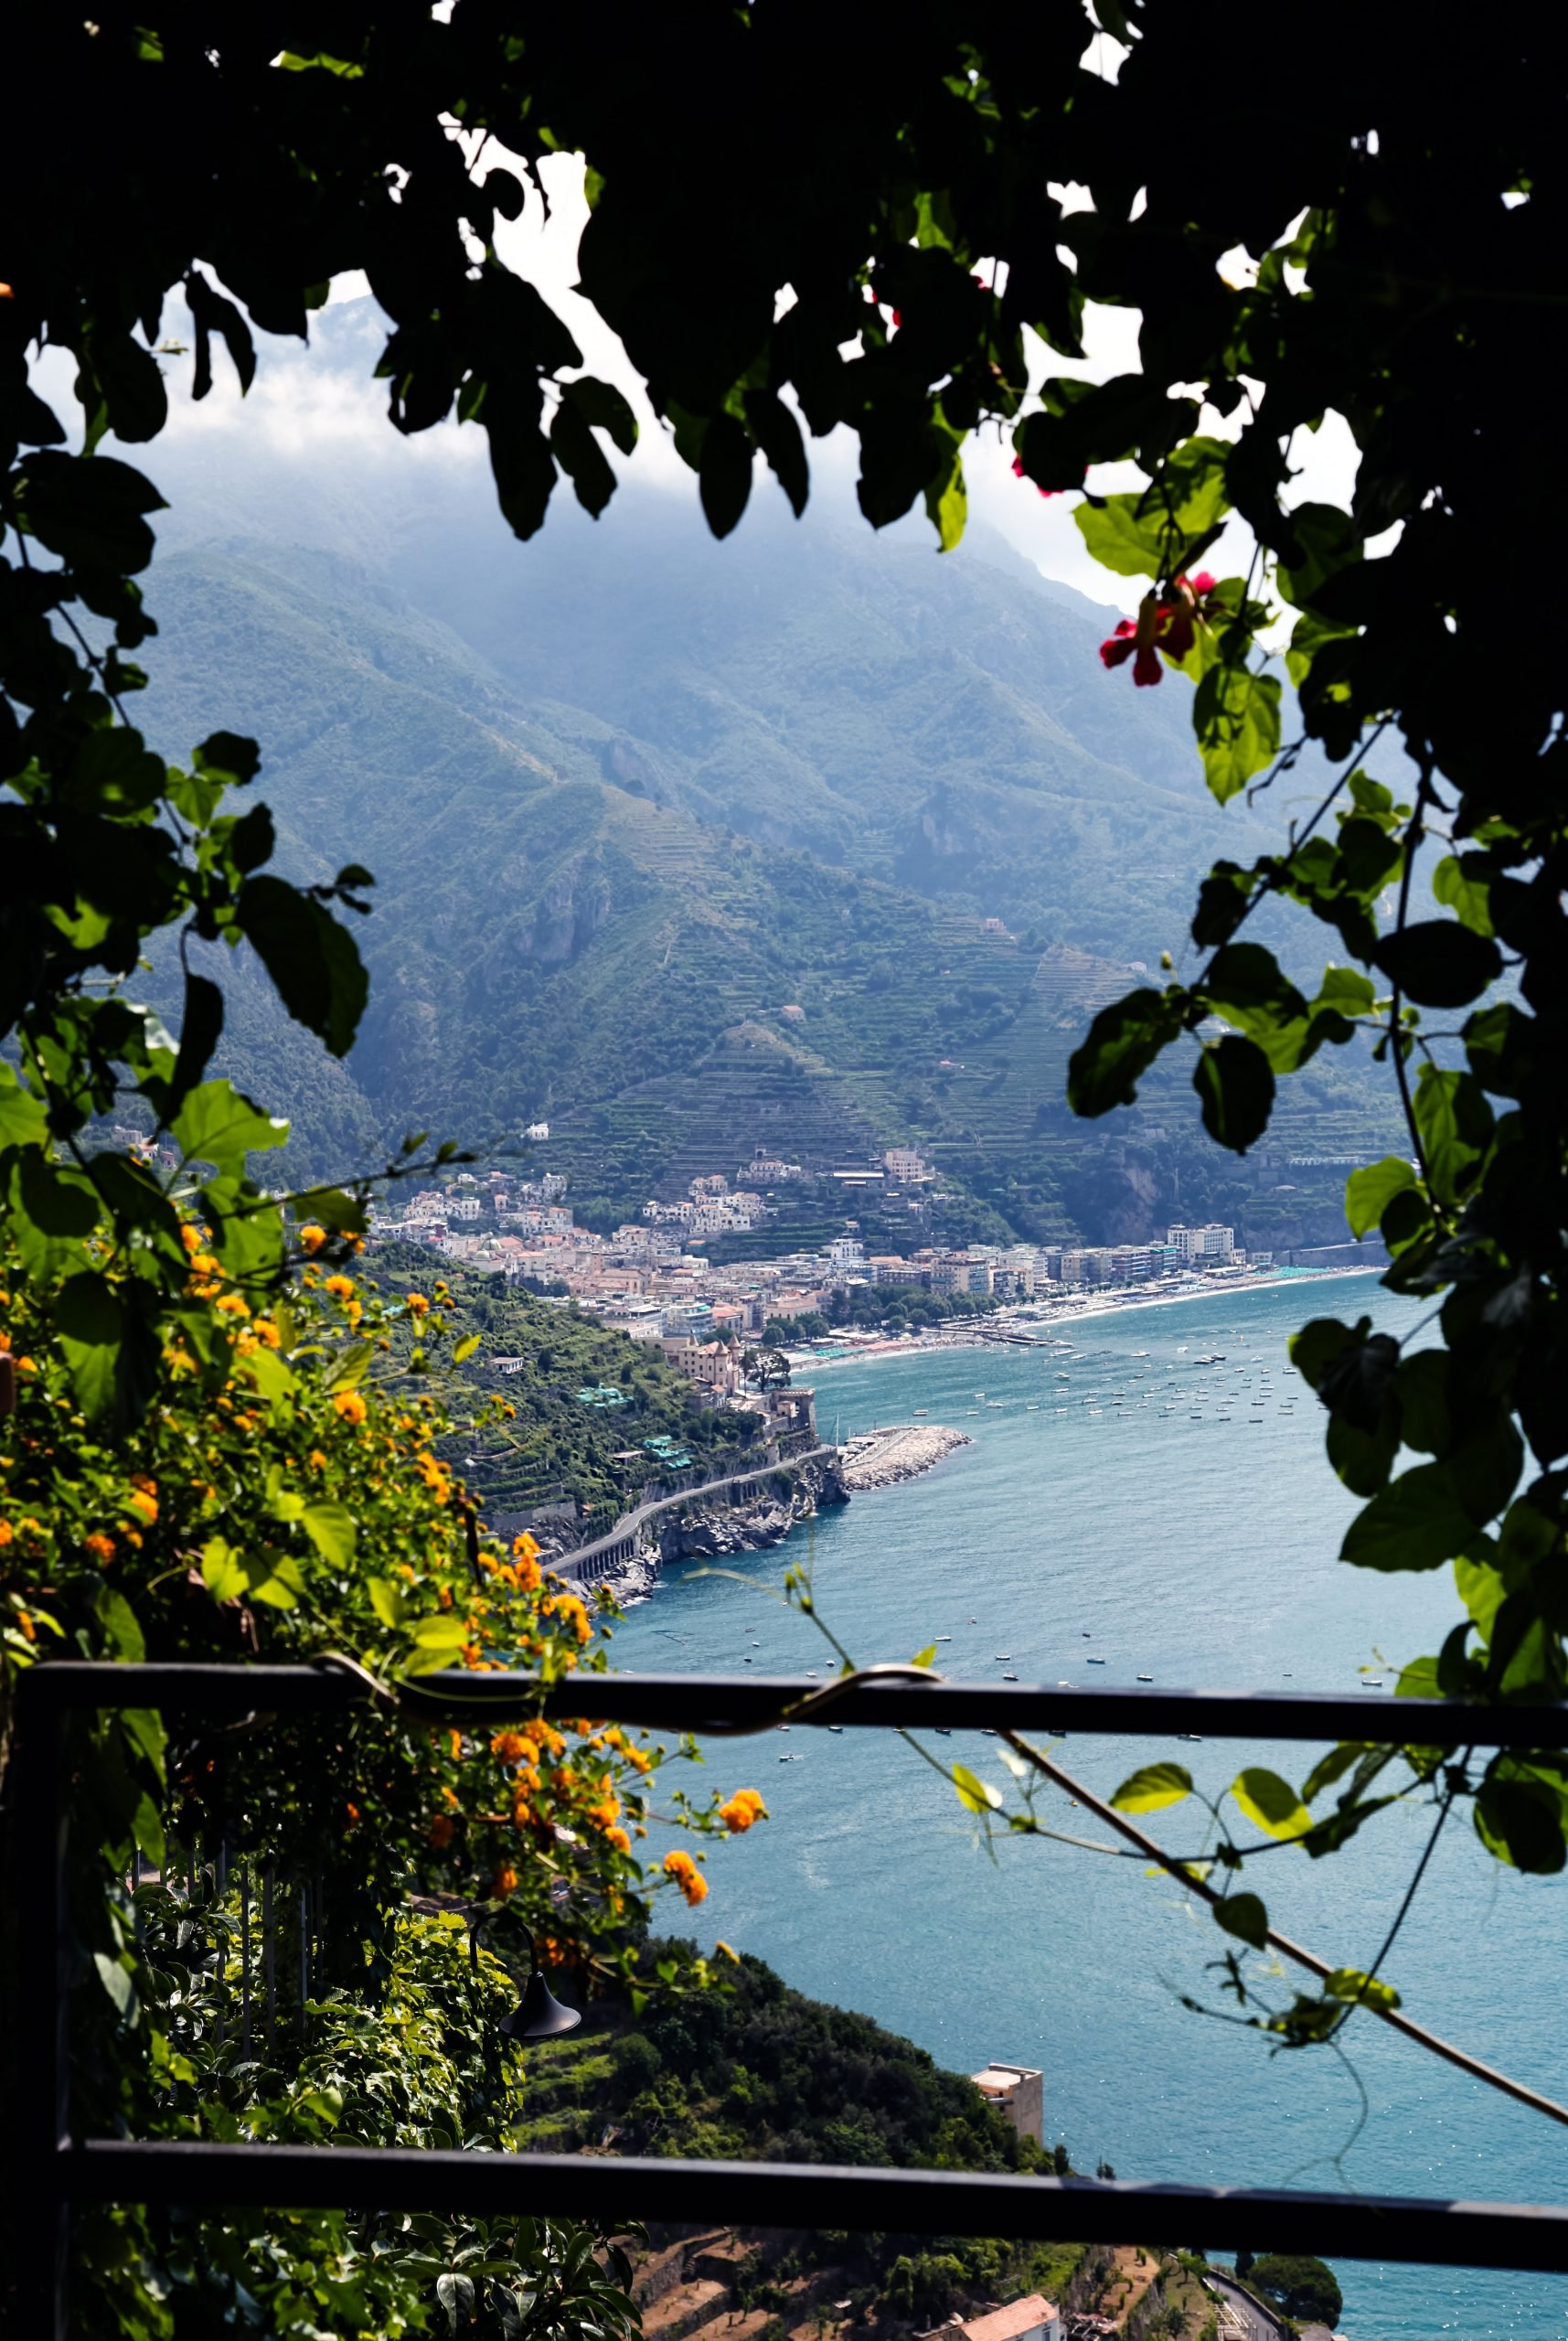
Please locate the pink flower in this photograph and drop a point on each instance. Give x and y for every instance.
(1170, 625)
(1135, 638)
(1191, 603)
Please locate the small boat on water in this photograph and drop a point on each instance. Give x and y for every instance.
(1009, 1678)
(943, 1731)
(1093, 1661)
(942, 1638)
(1192, 1738)
(1146, 1678)
(835, 1728)
(1140, 1353)
(918, 1411)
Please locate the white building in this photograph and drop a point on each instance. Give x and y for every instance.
(1018, 2092)
(1034, 2318)
(537, 1132)
(1211, 1244)
(846, 1252)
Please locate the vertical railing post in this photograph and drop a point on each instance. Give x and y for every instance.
(42, 2113)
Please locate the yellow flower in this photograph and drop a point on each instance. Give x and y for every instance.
(505, 1879)
(509, 1746)
(265, 1331)
(317, 1459)
(685, 1872)
(232, 1304)
(417, 1305)
(349, 1406)
(340, 1288)
(619, 1839)
(312, 1238)
(441, 1830)
(524, 1547)
(101, 1547)
(139, 1500)
(190, 1236)
(744, 1807)
(7, 1535)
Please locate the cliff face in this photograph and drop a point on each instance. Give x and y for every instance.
(701, 1531)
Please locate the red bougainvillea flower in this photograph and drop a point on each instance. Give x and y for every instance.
(1169, 624)
(1192, 602)
(1135, 638)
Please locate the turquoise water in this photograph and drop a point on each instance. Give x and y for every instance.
(1201, 1551)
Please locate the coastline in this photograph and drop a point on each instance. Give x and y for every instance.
(1042, 1327)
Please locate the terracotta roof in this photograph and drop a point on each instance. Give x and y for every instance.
(1007, 2324)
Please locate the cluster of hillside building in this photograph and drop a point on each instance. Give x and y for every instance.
(650, 1276)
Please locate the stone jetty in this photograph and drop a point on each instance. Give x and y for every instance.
(879, 1457)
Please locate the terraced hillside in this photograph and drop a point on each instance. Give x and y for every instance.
(842, 853)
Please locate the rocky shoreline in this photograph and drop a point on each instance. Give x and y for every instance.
(882, 1457)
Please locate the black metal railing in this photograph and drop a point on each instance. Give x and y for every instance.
(62, 2169)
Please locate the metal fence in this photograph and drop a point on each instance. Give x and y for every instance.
(63, 2169)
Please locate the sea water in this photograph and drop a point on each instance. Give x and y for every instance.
(1178, 1520)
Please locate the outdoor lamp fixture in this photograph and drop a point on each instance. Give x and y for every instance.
(539, 2014)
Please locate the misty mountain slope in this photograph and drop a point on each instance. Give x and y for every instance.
(546, 942)
(946, 722)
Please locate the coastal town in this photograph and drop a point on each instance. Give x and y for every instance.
(663, 1277)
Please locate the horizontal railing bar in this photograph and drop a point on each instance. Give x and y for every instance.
(727, 1703)
(636, 2188)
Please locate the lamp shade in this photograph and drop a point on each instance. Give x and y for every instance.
(539, 2014)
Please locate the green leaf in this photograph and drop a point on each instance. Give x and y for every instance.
(580, 456)
(1122, 1042)
(974, 1794)
(947, 503)
(222, 1570)
(1438, 963)
(1331, 1768)
(1520, 1816)
(1243, 1914)
(465, 1349)
(276, 1581)
(272, 1376)
(115, 1980)
(1362, 1990)
(777, 433)
(1235, 714)
(351, 1369)
(724, 473)
(1151, 1787)
(1416, 1523)
(91, 1327)
(88, 513)
(331, 1529)
(311, 958)
(1459, 884)
(120, 1623)
(447, 1631)
(1124, 537)
(23, 1121)
(388, 1600)
(602, 405)
(1270, 1803)
(1370, 1192)
(1235, 1088)
(217, 1125)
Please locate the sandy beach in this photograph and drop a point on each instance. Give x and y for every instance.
(1023, 1317)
